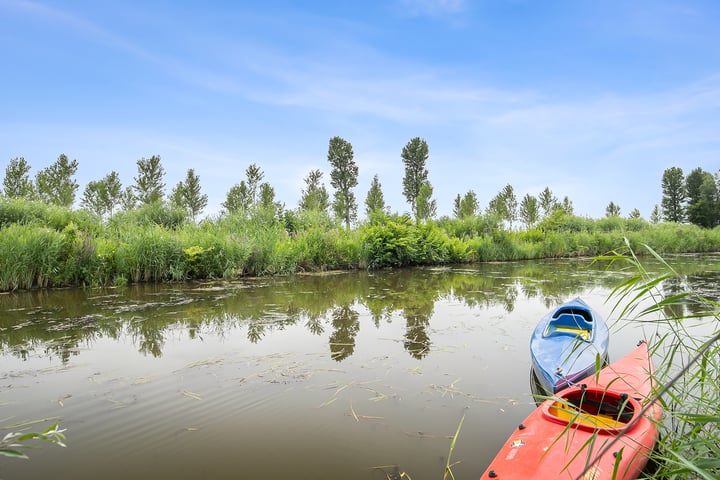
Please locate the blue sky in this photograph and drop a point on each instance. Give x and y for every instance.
(594, 99)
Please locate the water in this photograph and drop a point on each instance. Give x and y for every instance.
(351, 375)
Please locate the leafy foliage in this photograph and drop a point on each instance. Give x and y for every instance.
(375, 201)
(149, 185)
(673, 195)
(55, 184)
(343, 177)
(17, 183)
(188, 195)
(414, 155)
(315, 196)
(11, 443)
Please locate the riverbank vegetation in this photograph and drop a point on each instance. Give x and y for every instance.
(687, 356)
(137, 233)
(50, 246)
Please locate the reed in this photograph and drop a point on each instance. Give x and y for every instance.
(31, 256)
(688, 369)
(45, 246)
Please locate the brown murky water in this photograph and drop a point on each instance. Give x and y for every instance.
(351, 375)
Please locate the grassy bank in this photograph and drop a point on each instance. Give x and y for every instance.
(43, 246)
(687, 357)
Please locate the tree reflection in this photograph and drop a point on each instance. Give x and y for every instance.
(58, 322)
(346, 324)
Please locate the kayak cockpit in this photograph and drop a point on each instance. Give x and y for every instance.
(573, 324)
(593, 409)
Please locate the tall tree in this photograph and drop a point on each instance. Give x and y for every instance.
(467, 206)
(343, 177)
(375, 201)
(548, 201)
(529, 211)
(704, 210)
(17, 182)
(237, 199)
(426, 206)
(315, 196)
(127, 199)
(504, 204)
(113, 188)
(254, 175)
(612, 210)
(414, 155)
(266, 199)
(635, 213)
(673, 195)
(102, 196)
(567, 206)
(187, 195)
(149, 186)
(693, 181)
(655, 215)
(55, 184)
(94, 197)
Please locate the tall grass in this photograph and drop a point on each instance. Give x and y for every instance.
(688, 372)
(44, 246)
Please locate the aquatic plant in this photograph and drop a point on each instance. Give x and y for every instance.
(12, 442)
(688, 372)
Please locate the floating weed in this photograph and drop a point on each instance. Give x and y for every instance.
(451, 389)
(325, 404)
(193, 395)
(27, 423)
(415, 371)
(394, 472)
(378, 395)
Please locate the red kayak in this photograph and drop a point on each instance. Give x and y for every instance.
(565, 434)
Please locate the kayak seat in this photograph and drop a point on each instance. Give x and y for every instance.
(569, 324)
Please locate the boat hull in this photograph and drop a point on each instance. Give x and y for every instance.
(561, 438)
(567, 345)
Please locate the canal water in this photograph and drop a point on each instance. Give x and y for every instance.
(349, 375)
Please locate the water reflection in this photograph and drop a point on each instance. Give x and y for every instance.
(57, 323)
(317, 376)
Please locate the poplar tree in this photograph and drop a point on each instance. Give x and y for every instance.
(254, 175)
(315, 196)
(375, 200)
(149, 186)
(101, 196)
(414, 155)
(504, 204)
(17, 182)
(548, 202)
(55, 184)
(673, 195)
(466, 206)
(343, 177)
(655, 215)
(529, 211)
(187, 195)
(612, 210)
(426, 207)
(237, 198)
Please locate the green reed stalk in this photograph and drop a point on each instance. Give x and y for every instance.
(689, 440)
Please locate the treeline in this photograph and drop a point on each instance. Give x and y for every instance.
(137, 233)
(695, 199)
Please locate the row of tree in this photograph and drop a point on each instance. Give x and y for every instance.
(693, 199)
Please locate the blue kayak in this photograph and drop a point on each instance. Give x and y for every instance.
(567, 345)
